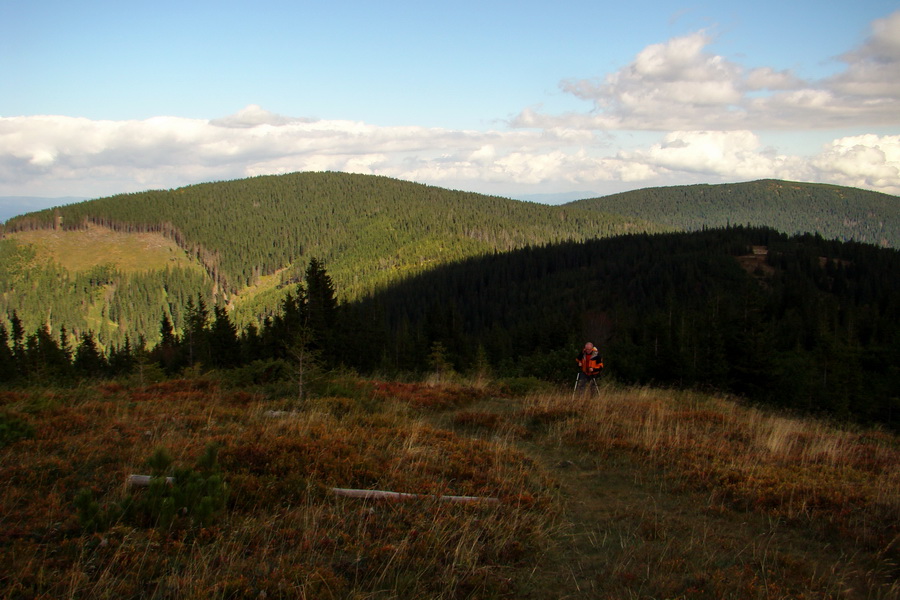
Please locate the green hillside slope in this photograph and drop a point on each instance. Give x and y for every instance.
(369, 230)
(833, 211)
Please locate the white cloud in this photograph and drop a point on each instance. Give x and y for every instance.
(726, 154)
(679, 84)
(55, 156)
(866, 161)
(873, 70)
(766, 78)
(252, 116)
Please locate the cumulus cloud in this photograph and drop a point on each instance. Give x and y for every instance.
(865, 161)
(47, 154)
(680, 84)
(873, 70)
(67, 156)
(734, 154)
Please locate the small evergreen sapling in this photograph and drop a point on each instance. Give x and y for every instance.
(176, 496)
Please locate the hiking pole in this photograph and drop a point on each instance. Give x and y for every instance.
(596, 385)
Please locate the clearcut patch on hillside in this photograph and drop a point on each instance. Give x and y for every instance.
(84, 249)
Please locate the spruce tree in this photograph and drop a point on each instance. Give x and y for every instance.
(195, 339)
(167, 352)
(7, 360)
(321, 309)
(89, 361)
(18, 341)
(122, 359)
(223, 340)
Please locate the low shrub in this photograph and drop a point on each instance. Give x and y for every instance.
(13, 429)
(192, 497)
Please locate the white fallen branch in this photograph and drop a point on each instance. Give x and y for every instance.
(383, 495)
(277, 414)
(144, 480)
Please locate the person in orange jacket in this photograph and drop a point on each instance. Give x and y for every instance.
(590, 364)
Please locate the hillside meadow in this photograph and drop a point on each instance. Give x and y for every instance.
(637, 493)
(84, 249)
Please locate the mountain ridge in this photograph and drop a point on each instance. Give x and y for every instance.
(371, 231)
(835, 212)
(330, 215)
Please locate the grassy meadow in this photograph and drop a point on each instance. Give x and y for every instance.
(639, 493)
(84, 249)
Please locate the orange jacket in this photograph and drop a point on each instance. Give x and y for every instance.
(590, 364)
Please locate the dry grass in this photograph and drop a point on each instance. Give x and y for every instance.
(741, 503)
(284, 534)
(80, 250)
(640, 494)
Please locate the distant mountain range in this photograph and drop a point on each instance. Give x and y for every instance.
(114, 265)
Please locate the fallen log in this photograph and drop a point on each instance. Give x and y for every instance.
(144, 480)
(385, 495)
(276, 414)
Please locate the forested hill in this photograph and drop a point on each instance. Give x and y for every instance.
(221, 240)
(835, 212)
(368, 229)
(799, 321)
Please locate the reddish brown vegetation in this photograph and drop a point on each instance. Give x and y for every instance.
(283, 534)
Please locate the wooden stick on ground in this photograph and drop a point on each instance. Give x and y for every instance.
(144, 480)
(384, 495)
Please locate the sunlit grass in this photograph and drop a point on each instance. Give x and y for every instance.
(825, 500)
(83, 249)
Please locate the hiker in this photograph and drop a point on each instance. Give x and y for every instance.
(591, 364)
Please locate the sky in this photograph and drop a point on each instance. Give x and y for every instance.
(570, 98)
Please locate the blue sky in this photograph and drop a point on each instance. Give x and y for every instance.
(512, 98)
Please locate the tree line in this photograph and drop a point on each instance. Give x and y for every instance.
(206, 339)
(796, 321)
(110, 304)
(372, 232)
